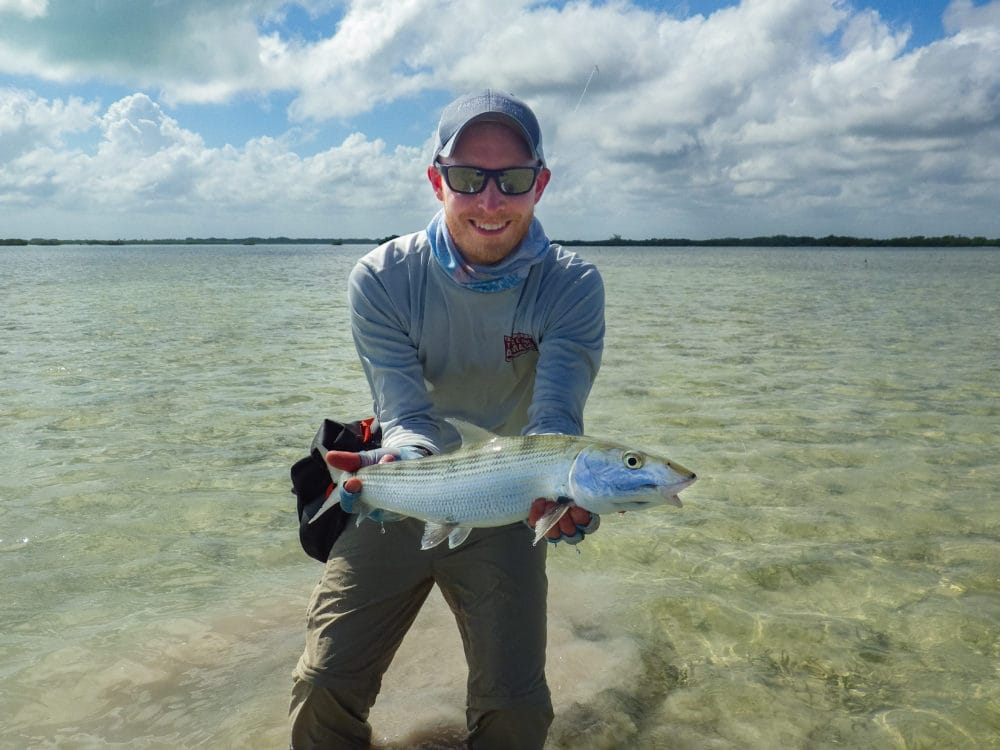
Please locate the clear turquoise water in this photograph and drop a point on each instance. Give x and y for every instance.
(832, 581)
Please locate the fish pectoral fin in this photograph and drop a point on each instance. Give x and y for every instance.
(435, 533)
(549, 519)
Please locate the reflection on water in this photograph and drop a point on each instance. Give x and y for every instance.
(832, 581)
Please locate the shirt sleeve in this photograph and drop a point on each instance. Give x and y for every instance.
(380, 325)
(570, 351)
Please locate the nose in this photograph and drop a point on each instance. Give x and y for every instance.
(491, 198)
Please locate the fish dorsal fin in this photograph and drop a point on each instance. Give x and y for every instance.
(550, 519)
(435, 533)
(471, 434)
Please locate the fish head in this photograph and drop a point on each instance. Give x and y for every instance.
(609, 478)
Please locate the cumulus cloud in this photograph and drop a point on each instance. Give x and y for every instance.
(799, 116)
(802, 112)
(369, 60)
(147, 172)
(963, 15)
(25, 8)
(189, 49)
(29, 122)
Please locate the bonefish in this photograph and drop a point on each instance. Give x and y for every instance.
(492, 481)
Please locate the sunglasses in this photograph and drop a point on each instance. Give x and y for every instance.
(472, 180)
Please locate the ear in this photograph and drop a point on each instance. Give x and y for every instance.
(543, 179)
(437, 182)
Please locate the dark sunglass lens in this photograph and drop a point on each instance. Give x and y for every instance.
(471, 180)
(517, 181)
(465, 179)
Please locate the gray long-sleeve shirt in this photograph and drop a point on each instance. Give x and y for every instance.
(517, 361)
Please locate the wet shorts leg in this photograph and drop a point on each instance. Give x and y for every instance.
(323, 718)
(371, 591)
(496, 585)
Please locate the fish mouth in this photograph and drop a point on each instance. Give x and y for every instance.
(673, 488)
(668, 494)
(667, 497)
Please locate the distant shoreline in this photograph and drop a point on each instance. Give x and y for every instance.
(778, 240)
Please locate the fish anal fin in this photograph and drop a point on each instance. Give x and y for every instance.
(435, 533)
(458, 535)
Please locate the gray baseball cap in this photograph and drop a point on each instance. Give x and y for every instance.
(488, 105)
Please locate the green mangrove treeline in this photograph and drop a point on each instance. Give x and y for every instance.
(784, 240)
(777, 240)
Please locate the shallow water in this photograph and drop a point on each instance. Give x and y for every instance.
(832, 581)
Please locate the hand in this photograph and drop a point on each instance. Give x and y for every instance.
(351, 462)
(350, 488)
(572, 528)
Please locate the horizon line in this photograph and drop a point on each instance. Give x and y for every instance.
(948, 240)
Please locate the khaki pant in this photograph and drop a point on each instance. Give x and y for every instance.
(369, 596)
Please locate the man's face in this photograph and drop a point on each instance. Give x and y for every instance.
(488, 225)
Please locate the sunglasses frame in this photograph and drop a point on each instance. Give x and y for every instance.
(488, 174)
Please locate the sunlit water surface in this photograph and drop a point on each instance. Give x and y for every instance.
(832, 581)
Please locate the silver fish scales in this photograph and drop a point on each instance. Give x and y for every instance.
(492, 481)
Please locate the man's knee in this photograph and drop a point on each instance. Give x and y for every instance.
(324, 717)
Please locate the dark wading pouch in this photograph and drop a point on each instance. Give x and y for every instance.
(312, 485)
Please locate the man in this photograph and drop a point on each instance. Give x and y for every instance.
(478, 318)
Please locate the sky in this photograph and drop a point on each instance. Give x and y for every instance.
(143, 119)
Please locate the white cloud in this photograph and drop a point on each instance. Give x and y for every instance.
(805, 116)
(26, 8)
(374, 57)
(147, 171)
(28, 122)
(189, 49)
(963, 15)
(756, 112)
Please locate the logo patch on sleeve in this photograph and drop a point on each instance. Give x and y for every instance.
(517, 344)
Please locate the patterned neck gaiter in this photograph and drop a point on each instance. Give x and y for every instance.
(506, 274)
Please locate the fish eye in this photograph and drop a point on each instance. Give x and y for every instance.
(632, 460)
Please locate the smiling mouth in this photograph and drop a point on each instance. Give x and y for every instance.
(491, 228)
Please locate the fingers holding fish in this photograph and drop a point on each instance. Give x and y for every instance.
(351, 461)
(573, 525)
(349, 491)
